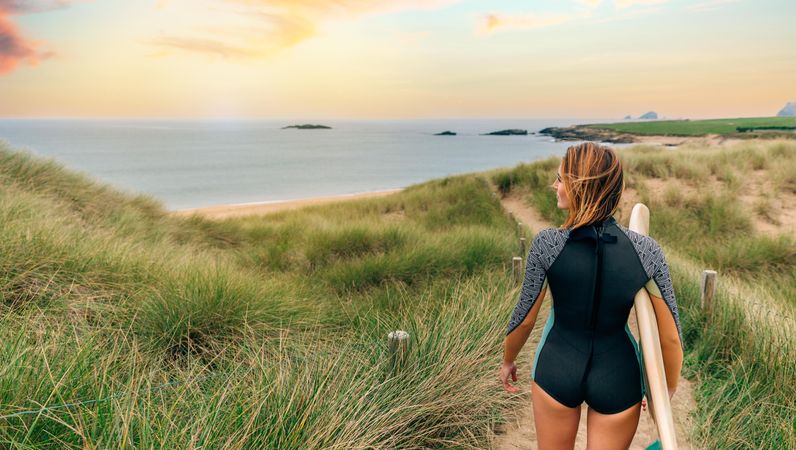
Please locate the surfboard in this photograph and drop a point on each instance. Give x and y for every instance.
(652, 370)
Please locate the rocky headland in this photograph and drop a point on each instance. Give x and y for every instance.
(585, 133)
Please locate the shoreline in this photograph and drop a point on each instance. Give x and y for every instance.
(229, 210)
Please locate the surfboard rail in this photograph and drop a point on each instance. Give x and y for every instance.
(658, 403)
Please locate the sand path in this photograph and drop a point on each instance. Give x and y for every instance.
(520, 433)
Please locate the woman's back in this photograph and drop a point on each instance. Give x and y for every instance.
(593, 267)
(593, 273)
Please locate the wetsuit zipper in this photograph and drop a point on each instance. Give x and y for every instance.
(596, 282)
(598, 249)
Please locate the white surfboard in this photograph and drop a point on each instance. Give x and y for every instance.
(652, 370)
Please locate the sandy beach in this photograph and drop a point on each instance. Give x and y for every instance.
(262, 208)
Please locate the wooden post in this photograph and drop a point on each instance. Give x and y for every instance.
(708, 289)
(522, 246)
(516, 269)
(398, 343)
(519, 228)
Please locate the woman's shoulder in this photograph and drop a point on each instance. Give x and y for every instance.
(648, 250)
(638, 239)
(551, 234)
(547, 245)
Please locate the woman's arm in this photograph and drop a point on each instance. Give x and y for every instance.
(517, 338)
(534, 287)
(671, 346)
(661, 290)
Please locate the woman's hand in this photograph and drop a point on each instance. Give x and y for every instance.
(506, 370)
(644, 400)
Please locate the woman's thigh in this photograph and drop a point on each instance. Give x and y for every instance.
(612, 431)
(556, 424)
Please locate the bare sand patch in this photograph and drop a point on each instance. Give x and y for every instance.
(772, 211)
(674, 141)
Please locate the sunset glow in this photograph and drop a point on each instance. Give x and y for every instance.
(395, 59)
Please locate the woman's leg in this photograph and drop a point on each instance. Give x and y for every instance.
(611, 431)
(556, 424)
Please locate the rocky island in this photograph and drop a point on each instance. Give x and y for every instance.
(446, 133)
(308, 126)
(511, 132)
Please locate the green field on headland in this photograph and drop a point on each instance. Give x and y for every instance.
(127, 327)
(724, 127)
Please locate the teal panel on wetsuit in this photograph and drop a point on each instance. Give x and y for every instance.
(547, 327)
(640, 359)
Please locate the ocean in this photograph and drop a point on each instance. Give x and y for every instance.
(194, 163)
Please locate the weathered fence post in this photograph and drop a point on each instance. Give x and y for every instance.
(398, 345)
(516, 269)
(522, 246)
(708, 289)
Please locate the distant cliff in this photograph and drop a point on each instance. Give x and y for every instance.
(788, 111)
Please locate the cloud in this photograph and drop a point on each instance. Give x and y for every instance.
(710, 5)
(622, 4)
(268, 34)
(14, 47)
(31, 6)
(257, 28)
(202, 46)
(493, 22)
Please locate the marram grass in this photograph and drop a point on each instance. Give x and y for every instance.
(122, 326)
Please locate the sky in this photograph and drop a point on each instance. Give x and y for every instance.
(396, 59)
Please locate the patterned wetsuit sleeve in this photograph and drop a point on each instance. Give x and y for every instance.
(663, 279)
(531, 285)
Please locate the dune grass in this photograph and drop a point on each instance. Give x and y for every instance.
(742, 353)
(165, 332)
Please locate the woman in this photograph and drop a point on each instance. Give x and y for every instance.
(593, 267)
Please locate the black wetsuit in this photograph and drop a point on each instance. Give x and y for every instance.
(593, 273)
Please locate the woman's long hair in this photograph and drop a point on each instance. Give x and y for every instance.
(593, 180)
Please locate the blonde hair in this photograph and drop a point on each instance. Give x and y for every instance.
(594, 183)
